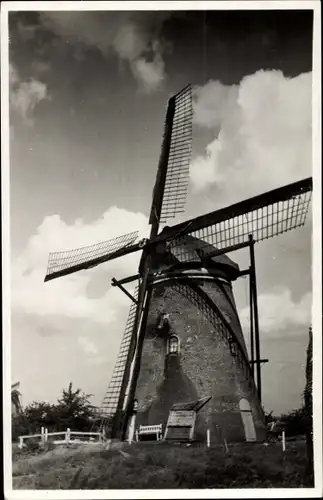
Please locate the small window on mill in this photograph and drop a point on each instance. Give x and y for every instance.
(173, 344)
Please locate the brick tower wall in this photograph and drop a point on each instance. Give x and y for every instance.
(203, 367)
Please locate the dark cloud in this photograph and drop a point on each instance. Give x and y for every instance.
(227, 45)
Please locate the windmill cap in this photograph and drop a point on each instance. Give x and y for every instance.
(191, 249)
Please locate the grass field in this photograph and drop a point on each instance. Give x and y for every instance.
(163, 465)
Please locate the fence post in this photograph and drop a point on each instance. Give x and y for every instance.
(46, 435)
(208, 438)
(283, 441)
(68, 435)
(21, 441)
(42, 431)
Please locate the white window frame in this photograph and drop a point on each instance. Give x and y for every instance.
(169, 339)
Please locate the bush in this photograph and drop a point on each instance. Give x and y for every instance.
(73, 410)
(295, 423)
(32, 445)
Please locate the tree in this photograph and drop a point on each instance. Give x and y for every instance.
(308, 400)
(32, 418)
(294, 423)
(74, 410)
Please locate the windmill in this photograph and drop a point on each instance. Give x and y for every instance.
(15, 399)
(183, 339)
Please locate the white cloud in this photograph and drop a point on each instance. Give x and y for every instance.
(87, 346)
(262, 134)
(68, 296)
(149, 73)
(278, 311)
(25, 95)
(131, 45)
(130, 42)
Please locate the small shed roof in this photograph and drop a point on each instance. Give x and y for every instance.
(192, 405)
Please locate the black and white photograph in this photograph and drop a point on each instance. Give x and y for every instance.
(161, 249)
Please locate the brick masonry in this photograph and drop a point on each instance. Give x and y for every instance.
(204, 365)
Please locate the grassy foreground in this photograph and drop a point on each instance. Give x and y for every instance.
(163, 465)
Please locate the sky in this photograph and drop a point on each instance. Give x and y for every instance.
(88, 95)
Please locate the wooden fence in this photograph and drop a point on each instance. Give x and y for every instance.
(63, 437)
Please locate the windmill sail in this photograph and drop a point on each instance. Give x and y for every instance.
(71, 261)
(263, 216)
(110, 401)
(169, 195)
(177, 175)
(16, 406)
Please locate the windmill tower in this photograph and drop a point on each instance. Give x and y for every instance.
(183, 339)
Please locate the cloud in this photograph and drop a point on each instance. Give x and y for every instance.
(25, 95)
(87, 346)
(132, 45)
(69, 296)
(133, 36)
(278, 311)
(262, 134)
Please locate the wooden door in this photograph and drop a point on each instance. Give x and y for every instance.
(247, 420)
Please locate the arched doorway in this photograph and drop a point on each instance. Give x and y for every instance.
(247, 420)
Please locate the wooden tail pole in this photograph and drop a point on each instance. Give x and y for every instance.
(255, 311)
(252, 347)
(143, 300)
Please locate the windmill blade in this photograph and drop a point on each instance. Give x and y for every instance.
(263, 217)
(71, 261)
(177, 176)
(171, 185)
(111, 399)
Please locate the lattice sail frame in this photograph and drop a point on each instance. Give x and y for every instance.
(262, 223)
(62, 263)
(177, 176)
(110, 401)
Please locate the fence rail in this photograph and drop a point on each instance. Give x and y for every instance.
(68, 437)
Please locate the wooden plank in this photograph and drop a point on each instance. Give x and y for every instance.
(179, 433)
(180, 425)
(182, 418)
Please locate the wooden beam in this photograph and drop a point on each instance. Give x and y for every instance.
(159, 188)
(252, 347)
(255, 311)
(244, 272)
(117, 283)
(240, 208)
(123, 281)
(94, 262)
(229, 249)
